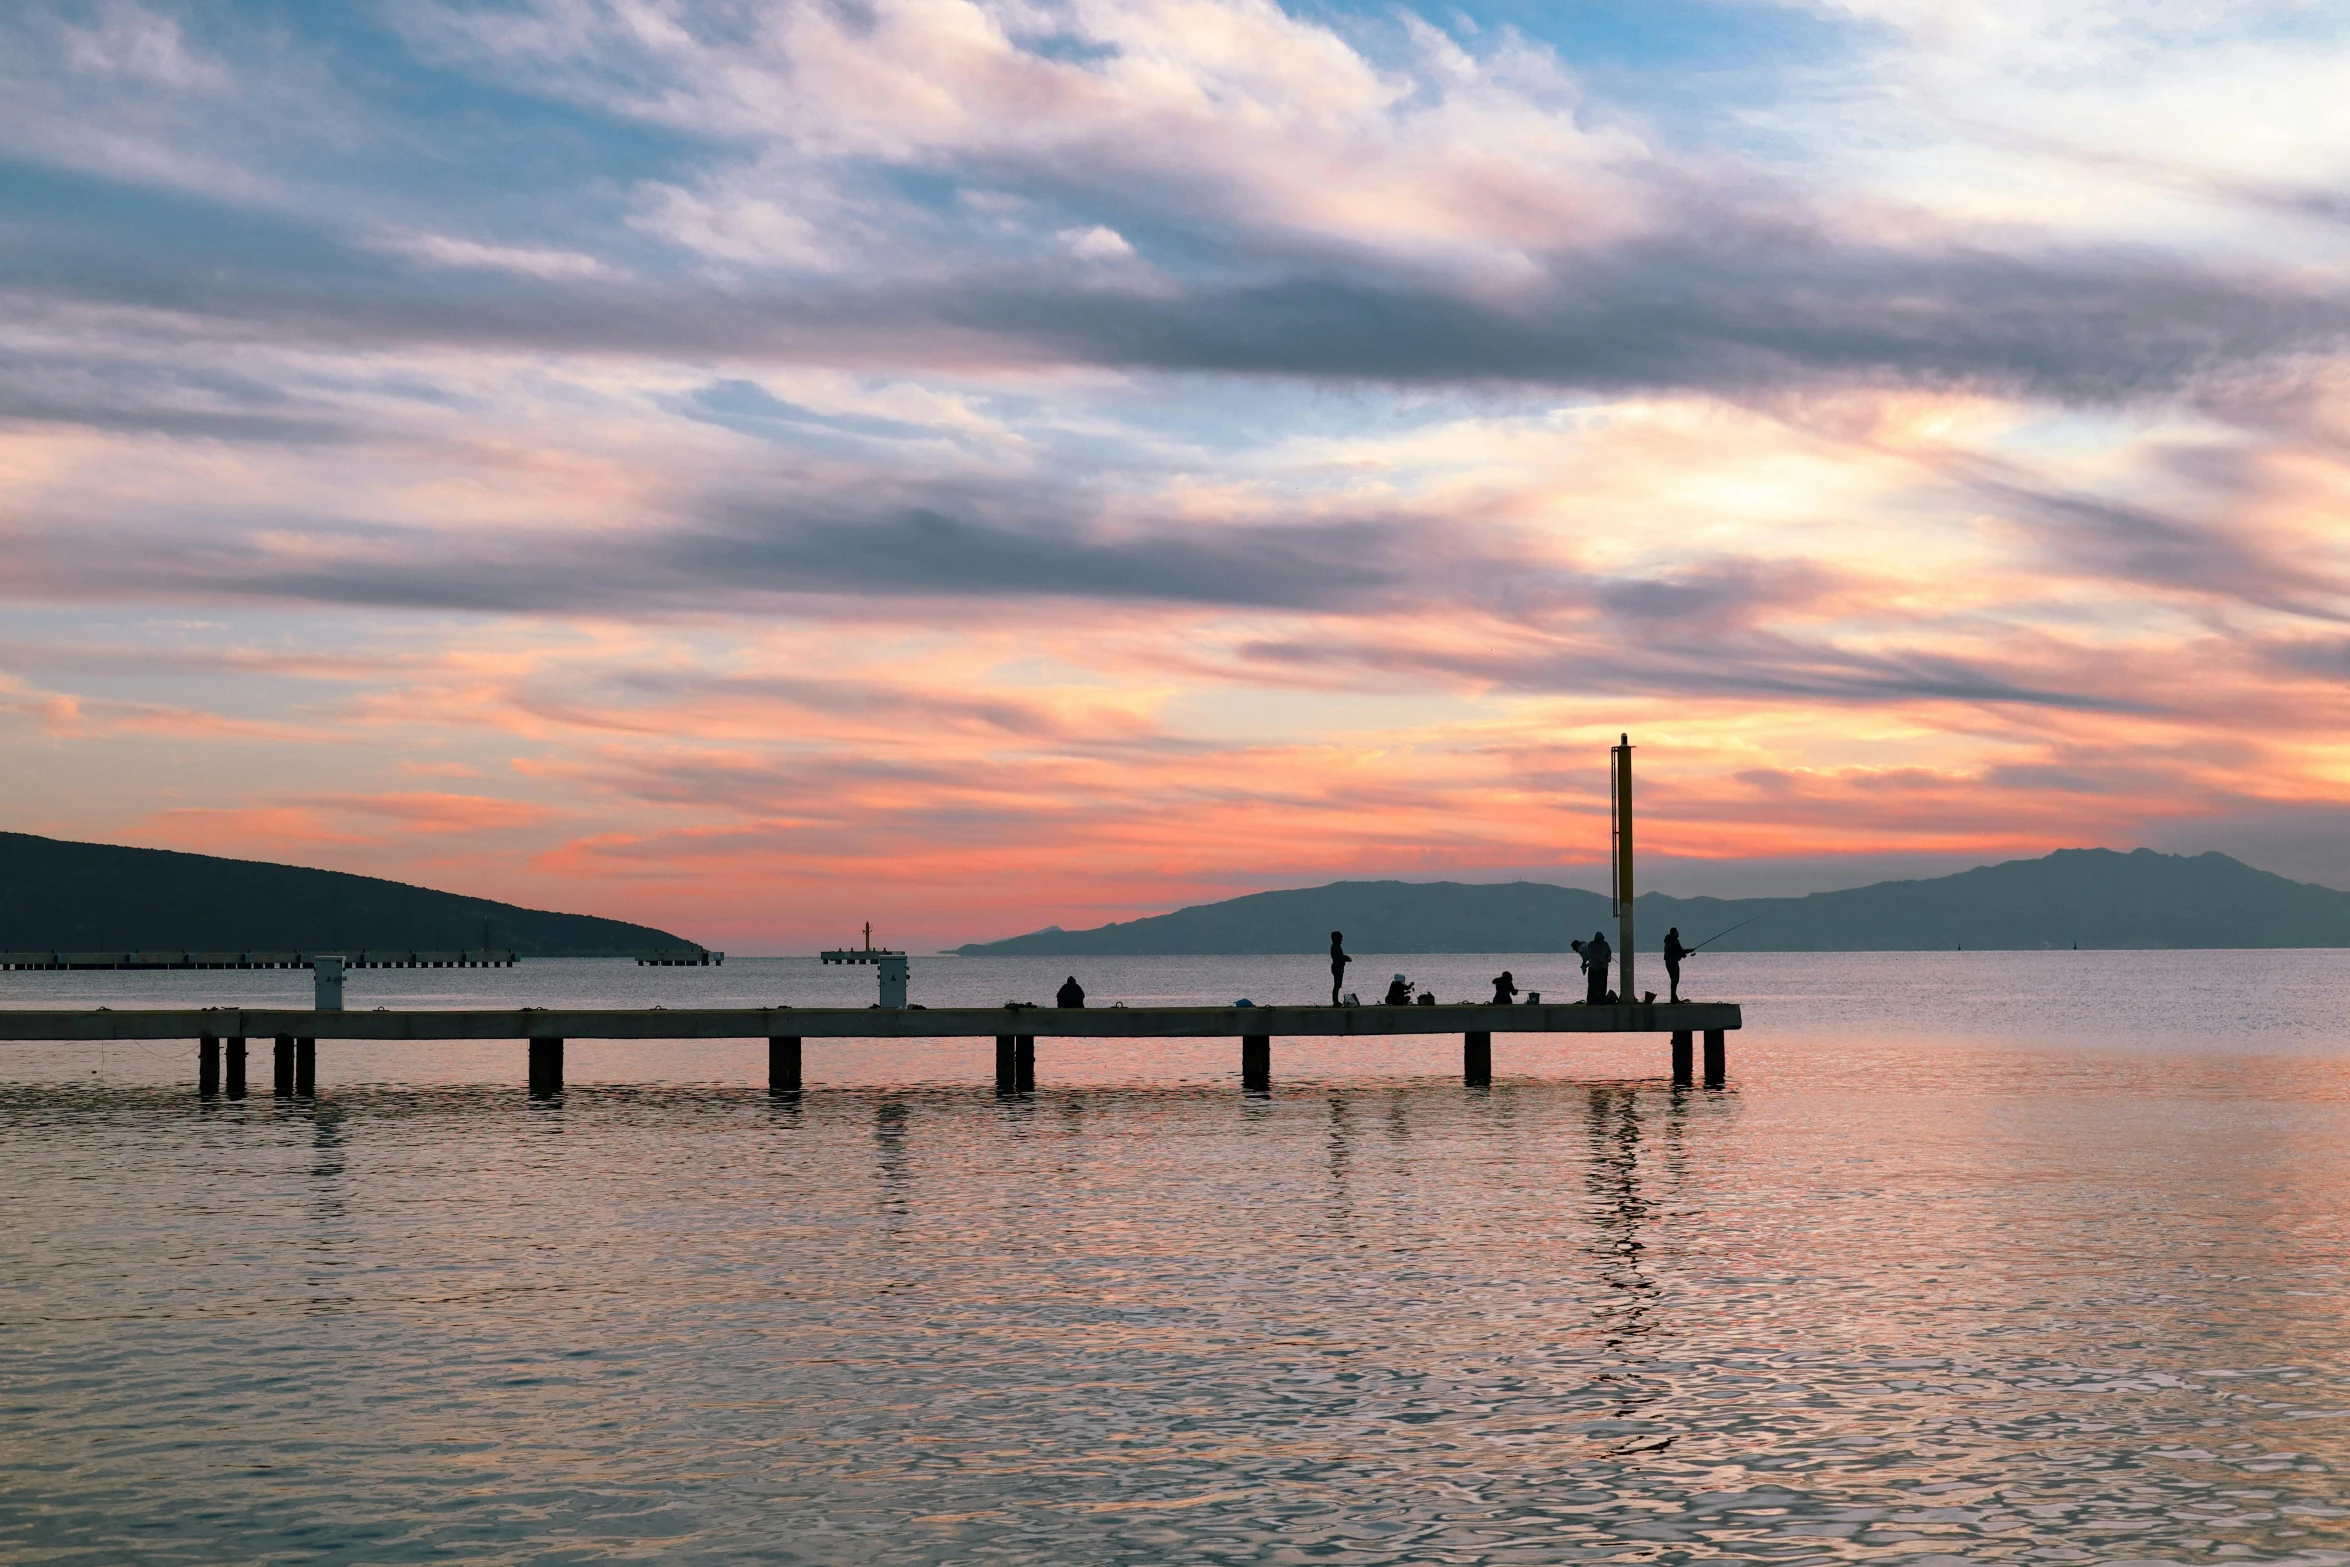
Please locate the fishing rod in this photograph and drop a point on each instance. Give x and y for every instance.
(1719, 934)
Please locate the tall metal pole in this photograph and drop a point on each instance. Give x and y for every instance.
(1622, 757)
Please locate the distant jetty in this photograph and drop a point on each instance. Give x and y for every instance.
(867, 953)
(479, 958)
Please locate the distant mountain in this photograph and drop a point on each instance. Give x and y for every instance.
(92, 897)
(2092, 897)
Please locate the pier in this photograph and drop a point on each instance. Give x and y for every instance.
(476, 957)
(1015, 1031)
(1015, 1026)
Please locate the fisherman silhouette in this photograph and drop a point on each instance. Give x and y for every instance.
(1338, 962)
(1674, 953)
(1071, 994)
(1505, 989)
(1399, 992)
(1597, 955)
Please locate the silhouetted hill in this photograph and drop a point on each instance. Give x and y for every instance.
(61, 896)
(2093, 897)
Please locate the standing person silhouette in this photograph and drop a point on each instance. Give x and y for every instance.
(1674, 953)
(1338, 962)
(1597, 955)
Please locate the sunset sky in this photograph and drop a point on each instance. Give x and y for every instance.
(754, 468)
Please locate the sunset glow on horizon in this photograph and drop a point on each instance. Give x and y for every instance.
(757, 468)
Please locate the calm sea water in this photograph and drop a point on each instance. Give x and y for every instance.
(2034, 1257)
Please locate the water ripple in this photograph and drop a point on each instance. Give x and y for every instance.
(1403, 1322)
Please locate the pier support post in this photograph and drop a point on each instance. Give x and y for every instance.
(305, 1066)
(208, 1065)
(282, 1065)
(783, 1065)
(1684, 1057)
(546, 1068)
(1024, 1063)
(1007, 1072)
(1256, 1062)
(236, 1066)
(1714, 1064)
(1477, 1059)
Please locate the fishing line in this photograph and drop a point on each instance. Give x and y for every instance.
(1719, 934)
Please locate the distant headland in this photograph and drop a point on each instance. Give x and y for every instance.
(56, 894)
(2092, 898)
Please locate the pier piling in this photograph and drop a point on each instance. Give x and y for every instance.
(1684, 1057)
(1256, 1062)
(236, 1066)
(1024, 1063)
(282, 1065)
(1714, 1065)
(1477, 1059)
(783, 1065)
(305, 1066)
(546, 1068)
(208, 1066)
(1007, 1071)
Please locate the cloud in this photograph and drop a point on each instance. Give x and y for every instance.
(144, 46)
(1429, 217)
(1730, 306)
(661, 701)
(1097, 243)
(1762, 667)
(1013, 542)
(1009, 460)
(1183, 111)
(442, 250)
(2114, 540)
(94, 392)
(347, 819)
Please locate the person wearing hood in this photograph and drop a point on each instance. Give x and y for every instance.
(1071, 993)
(1399, 992)
(1597, 955)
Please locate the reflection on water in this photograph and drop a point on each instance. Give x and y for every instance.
(1617, 1213)
(1957, 1301)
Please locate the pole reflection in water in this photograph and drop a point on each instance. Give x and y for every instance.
(1339, 1159)
(1627, 1316)
(329, 1158)
(889, 1162)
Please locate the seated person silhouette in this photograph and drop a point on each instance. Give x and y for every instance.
(1399, 992)
(1071, 994)
(1505, 989)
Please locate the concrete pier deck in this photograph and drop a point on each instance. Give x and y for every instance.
(1015, 1030)
(863, 1022)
